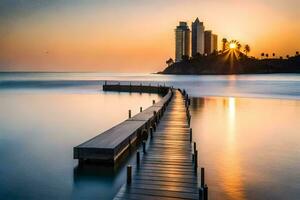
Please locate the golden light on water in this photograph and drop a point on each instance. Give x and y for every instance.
(231, 159)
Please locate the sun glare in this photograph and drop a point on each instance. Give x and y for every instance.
(232, 45)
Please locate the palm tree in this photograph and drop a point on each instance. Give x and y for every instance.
(297, 53)
(273, 55)
(169, 62)
(239, 46)
(267, 55)
(287, 56)
(262, 55)
(247, 49)
(224, 42)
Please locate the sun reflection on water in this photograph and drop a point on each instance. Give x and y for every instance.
(231, 172)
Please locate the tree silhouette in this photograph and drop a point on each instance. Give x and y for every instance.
(273, 55)
(169, 62)
(267, 55)
(262, 55)
(297, 53)
(287, 56)
(239, 46)
(185, 57)
(224, 43)
(247, 49)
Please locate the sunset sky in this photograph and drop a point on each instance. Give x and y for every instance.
(133, 35)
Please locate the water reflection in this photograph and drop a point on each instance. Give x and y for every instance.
(38, 131)
(231, 174)
(248, 146)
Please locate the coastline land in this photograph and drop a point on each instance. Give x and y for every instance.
(225, 64)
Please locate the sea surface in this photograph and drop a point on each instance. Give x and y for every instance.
(247, 128)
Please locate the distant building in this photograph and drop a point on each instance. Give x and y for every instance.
(208, 42)
(215, 43)
(197, 37)
(182, 41)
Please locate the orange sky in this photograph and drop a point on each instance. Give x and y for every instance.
(134, 35)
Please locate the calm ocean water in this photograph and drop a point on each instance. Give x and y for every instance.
(247, 129)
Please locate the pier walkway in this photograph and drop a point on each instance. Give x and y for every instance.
(166, 171)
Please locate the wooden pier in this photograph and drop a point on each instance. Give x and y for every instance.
(110, 146)
(167, 168)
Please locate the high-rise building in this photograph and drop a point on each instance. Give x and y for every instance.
(182, 41)
(215, 43)
(208, 42)
(197, 37)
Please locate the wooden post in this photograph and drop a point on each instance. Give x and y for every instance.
(195, 147)
(205, 192)
(202, 177)
(141, 109)
(196, 161)
(151, 132)
(137, 157)
(155, 117)
(144, 147)
(191, 134)
(129, 114)
(129, 174)
(153, 102)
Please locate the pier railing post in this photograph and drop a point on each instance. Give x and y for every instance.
(151, 132)
(205, 192)
(202, 177)
(144, 147)
(129, 114)
(191, 134)
(141, 109)
(153, 102)
(155, 117)
(129, 174)
(196, 161)
(137, 157)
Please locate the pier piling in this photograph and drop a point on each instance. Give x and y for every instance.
(144, 147)
(202, 177)
(129, 174)
(137, 157)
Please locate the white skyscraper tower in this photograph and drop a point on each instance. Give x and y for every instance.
(197, 37)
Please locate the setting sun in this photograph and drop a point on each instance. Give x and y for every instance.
(232, 45)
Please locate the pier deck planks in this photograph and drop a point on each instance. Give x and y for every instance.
(110, 145)
(166, 170)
